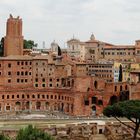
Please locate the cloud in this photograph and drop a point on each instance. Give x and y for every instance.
(115, 21)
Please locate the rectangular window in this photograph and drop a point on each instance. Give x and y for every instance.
(9, 65)
(43, 85)
(9, 73)
(43, 80)
(26, 63)
(36, 85)
(17, 80)
(18, 63)
(9, 80)
(18, 73)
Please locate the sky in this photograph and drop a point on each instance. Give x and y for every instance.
(112, 21)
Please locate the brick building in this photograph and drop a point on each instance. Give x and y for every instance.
(42, 83)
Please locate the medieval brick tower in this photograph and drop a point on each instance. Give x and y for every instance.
(13, 41)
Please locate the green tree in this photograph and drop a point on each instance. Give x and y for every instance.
(129, 109)
(2, 137)
(120, 73)
(32, 133)
(29, 44)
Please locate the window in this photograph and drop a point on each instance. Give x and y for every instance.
(17, 80)
(115, 88)
(18, 73)
(55, 97)
(38, 96)
(36, 79)
(9, 73)
(17, 96)
(51, 96)
(43, 96)
(28, 96)
(26, 73)
(30, 73)
(22, 63)
(2, 96)
(7, 96)
(18, 63)
(9, 65)
(30, 63)
(50, 80)
(43, 80)
(22, 80)
(9, 80)
(57, 80)
(33, 96)
(26, 63)
(120, 88)
(50, 85)
(12, 96)
(22, 96)
(0, 72)
(47, 96)
(43, 85)
(26, 80)
(22, 73)
(36, 85)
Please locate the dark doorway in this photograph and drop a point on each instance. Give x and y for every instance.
(113, 100)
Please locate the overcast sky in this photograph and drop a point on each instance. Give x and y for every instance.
(113, 21)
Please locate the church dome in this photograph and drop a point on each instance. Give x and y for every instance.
(92, 37)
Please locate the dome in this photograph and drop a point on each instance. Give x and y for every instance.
(92, 37)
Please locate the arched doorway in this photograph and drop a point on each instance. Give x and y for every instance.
(113, 100)
(47, 105)
(38, 105)
(27, 105)
(62, 107)
(17, 106)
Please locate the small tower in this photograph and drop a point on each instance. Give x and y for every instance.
(13, 41)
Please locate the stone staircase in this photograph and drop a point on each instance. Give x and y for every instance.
(99, 137)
